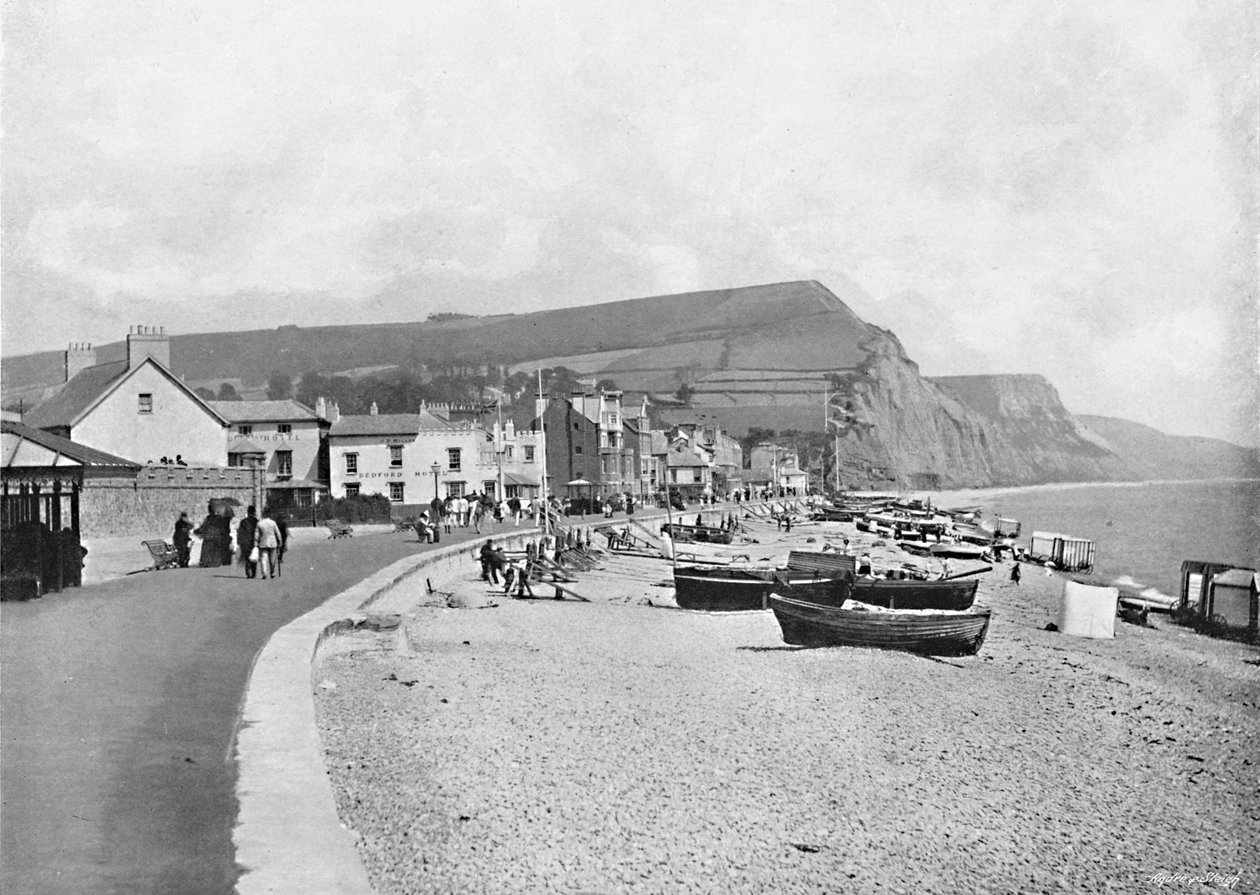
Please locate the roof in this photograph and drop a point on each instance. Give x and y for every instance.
(683, 456)
(79, 453)
(68, 403)
(283, 411)
(660, 443)
(378, 424)
(296, 483)
(245, 446)
(1235, 578)
(71, 402)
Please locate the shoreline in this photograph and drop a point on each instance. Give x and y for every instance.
(946, 496)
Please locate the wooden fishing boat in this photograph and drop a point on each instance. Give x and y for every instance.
(697, 534)
(739, 590)
(958, 550)
(930, 633)
(949, 595)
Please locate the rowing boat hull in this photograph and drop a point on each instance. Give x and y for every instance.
(934, 634)
(692, 534)
(741, 590)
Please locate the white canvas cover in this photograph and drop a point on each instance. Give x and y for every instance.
(1088, 611)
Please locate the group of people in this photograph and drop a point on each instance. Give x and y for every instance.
(474, 510)
(259, 544)
(177, 460)
(494, 561)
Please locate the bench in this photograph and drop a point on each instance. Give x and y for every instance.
(338, 529)
(164, 555)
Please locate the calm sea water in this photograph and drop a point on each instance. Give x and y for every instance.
(1143, 531)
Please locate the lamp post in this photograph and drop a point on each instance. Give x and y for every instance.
(436, 469)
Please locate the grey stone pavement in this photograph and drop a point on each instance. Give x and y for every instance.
(118, 711)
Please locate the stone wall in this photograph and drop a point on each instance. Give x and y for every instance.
(148, 505)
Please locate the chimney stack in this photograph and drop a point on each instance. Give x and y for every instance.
(372, 410)
(321, 408)
(145, 342)
(79, 356)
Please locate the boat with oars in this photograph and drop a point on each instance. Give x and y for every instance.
(726, 589)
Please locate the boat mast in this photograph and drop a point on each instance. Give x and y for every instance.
(542, 430)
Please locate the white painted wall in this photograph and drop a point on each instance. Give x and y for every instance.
(177, 425)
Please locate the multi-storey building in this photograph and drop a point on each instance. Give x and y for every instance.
(287, 439)
(414, 457)
(586, 445)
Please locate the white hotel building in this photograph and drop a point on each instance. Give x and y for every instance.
(412, 457)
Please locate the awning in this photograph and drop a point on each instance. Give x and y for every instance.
(579, 483)
(513, 478)
(245, 446)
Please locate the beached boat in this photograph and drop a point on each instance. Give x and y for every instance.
(952, 595)
(957, 550)
(932, 633)
(697, 534)
(740, 590)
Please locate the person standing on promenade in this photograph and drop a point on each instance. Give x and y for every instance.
(182, 538)
(282, 523)
(268, 537)
(246, 541)
(1015, 573)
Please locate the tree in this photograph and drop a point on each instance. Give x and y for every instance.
(607, 385)
(227, 392)
(684, 393)
(204, 393)
(279, 386)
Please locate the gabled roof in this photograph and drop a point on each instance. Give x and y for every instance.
(285, 411)
(680, 455)
(77, 453)
(69, 404)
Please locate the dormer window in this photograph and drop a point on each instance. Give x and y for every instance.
(395, 455)
(244, 430)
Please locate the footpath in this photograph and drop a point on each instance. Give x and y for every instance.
(120, 706)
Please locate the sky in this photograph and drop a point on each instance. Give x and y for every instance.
(1063, 188)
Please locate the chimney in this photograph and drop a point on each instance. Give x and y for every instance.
(148, 341)
(334, 413)
(79, 356)
(372, 410)
(321, 408)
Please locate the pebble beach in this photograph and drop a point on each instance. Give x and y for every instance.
(623, 745)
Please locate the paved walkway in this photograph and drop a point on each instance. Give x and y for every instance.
(119, 705)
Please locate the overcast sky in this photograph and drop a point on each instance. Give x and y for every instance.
(1064, 188)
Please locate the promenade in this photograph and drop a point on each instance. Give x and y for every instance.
(120, 703)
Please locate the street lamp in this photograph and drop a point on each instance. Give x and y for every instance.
(436, 469)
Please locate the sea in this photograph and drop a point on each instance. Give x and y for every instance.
(1142, 531)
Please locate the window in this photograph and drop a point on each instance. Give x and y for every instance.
(352, 464)
(396, 492)
(234, 460)
(673, 476)
(577, 427)
(285, 429)
(284, 464)
(452, 459)
(244, 430)
(529, 453)
(507, 452)
(146, 402)
(395, 455)
(455, 489)
(302, 498)
(352, 489)
(577, 448)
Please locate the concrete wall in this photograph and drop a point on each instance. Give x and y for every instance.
(148, 505)
(177, 425)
